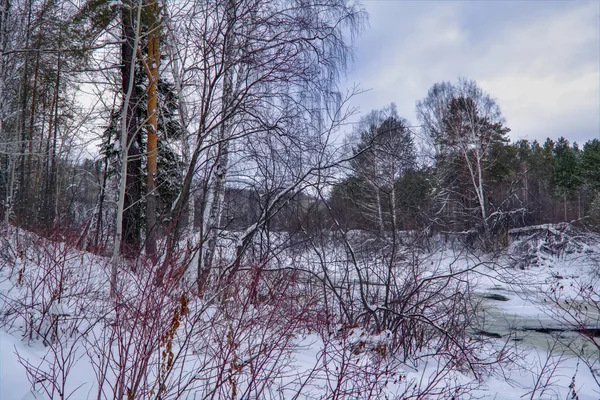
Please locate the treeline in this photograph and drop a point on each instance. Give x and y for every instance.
(527, 183)
(38, 113)
(391, 183)
(458, 171)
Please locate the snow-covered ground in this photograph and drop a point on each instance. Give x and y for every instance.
(536, 294)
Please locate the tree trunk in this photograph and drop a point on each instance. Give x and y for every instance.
(53, 181)
(218, 188)
(23, 94)
(188, 226)
(152, 66)
(379, 216)
(565, 203)
(125, 144)
(3, 19)
(101, 197)
(131, 214)
(11, 191)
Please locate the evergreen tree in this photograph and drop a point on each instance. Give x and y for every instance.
(565, 172)
(169, 165)
(590, 164)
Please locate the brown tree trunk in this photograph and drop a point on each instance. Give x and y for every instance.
(152, 66)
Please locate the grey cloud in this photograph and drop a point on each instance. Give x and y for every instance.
(540, 60)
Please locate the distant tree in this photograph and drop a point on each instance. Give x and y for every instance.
(415, 189)
(523, 154)
(384, 153)
(344, 201)
(590, 164)
(463, 124)
(565, 172)
(505, 176)
(431, 112)
(38, 111)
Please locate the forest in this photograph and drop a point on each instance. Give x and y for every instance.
(190, 175)
(79, 85)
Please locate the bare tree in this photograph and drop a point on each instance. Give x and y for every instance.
(462, 122)
(271, 52)
(384, 153)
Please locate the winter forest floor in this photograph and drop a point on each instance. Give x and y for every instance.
(523, 322)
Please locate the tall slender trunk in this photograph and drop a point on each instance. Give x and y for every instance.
(40, 146)
(218, 189)
(132, 213)
(53, 181)
(152, 66)
(392, 255)
(101, 197)
(3, 20)
(394, 209)
(27, 167)
(11, 191)
(23, 93)
(379, 211)
(565, 203)
(526, 188)
(189, 160)
(125, 144)
(480, 191)
(184, 122)
(476, 173)
(45, 182)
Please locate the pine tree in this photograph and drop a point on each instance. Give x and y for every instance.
(590, 164)
(565, 172)
(151, 66)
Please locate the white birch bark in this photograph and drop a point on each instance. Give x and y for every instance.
(214, 205)
(183, 121)
(124, 148)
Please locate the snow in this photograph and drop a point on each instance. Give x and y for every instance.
(13, 379)
(309, 361)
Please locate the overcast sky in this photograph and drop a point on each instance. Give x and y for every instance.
(539, 59)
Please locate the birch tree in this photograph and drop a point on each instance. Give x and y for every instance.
(464, 122)
(244, 66)
(125, 144)
(384, 153)
(473, 124)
